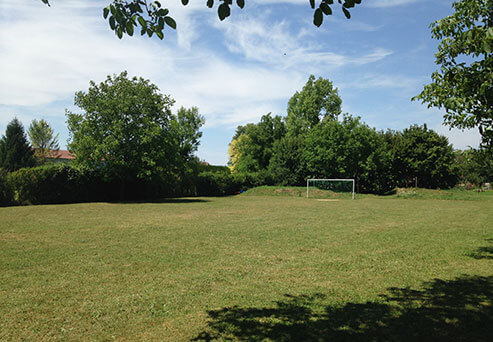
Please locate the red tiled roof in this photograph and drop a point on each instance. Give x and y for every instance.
(61, 154)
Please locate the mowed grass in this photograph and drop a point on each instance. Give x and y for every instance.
(248, 268)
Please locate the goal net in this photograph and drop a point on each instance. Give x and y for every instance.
(327, 188)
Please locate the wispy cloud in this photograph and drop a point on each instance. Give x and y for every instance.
(389, 3)
(278, 45)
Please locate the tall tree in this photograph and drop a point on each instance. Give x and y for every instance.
(251, 147)
(43, 139)
(15, 151)
(317, 100)
(150, 17)
(128, 131)
(464, 84)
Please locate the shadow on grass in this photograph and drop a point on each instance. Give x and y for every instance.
(454, 310)
(483, 252)
(166, 200)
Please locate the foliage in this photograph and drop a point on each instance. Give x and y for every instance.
(474, 166)
(205, 167)
(422, 153)
(129, 132)
(46, 185)
(216, 184)
(250, 149)
(42, 139)
(15, 151)
(127, 16)
(349, 149)
(317, 101)
(286, 165)
(464, 84)
(6, 192)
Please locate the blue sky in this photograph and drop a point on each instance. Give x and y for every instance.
(234, 71)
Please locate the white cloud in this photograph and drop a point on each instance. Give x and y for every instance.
(276, 44)
(389, 3)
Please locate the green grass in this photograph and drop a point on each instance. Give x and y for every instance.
(248, 267)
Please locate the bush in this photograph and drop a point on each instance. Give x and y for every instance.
(6, 192)
(217, 184)
(59, 183)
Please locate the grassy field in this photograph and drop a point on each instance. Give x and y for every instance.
(250, 267)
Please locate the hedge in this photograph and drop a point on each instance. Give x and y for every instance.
(6, 191)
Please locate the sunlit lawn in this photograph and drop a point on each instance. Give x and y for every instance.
(249, 268)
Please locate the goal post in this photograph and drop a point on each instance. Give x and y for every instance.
(331, 185)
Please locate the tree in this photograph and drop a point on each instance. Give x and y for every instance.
(186, 125)
(251, 146)
(126, 16)
(464, 84)
(287, 165)
(349, 149)
(15, 151)
(127, 131)
(317, 100)
(42, 139)
(424, 157)
(475, 166)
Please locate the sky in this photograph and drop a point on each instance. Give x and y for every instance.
(234, 70)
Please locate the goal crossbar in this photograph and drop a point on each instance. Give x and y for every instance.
(332, 179)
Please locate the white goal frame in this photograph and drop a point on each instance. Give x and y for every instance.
(338, 180)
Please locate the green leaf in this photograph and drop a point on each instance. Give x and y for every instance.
(487, 45)
(130, 28)
(325, 8)
(112, 22)
(318, 17)
(119, 32)
(106, 11)
(170, 22)
(184, 2)
(346, 13)
(160, 34)
(240, 3)
(312, 4)
(210, 3)
(142, 22)
(223, 11)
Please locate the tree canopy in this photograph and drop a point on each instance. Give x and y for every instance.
(463, 85)
(128, 131)
(15, 151)
(317, 100)
(150, 17)
(42, 137)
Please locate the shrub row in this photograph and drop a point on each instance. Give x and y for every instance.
(62, 183)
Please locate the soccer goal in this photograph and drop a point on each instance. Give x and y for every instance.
(321, 186)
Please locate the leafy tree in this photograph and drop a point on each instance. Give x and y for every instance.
(464, 84)
(186, 125)
(474, 166)
(421, 153)
(287, 165)
(42, 138)
(317, 100)
(150, 17)
(349, 149)
(15, 151)
(251, 146)
(128, 131)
